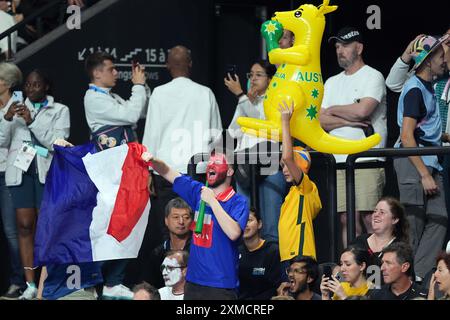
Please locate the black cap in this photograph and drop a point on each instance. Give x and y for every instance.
(347, 35)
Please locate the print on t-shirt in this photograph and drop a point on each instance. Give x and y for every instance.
(204, 239)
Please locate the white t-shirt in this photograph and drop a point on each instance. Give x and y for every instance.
(167, 294)
(345, 89)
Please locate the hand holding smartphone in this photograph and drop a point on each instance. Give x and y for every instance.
(17, 104)
(232, 70)
(17, 96)
(138, 74)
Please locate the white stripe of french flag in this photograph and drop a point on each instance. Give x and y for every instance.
(120, 218)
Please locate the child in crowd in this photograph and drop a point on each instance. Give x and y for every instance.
(302, 204)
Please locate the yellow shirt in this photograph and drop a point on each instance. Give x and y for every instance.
(351, 291)
(295, 227)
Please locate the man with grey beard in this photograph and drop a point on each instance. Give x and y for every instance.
(354, 107)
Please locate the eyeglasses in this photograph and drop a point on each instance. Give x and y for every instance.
(257, 75)
(295, 271)
(170, 268)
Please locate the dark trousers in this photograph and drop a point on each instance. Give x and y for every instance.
(114, 272)
(427, 215)
(194, 291)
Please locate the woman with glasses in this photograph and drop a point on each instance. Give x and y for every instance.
(354, 263)
(29, 130)
(272, 186)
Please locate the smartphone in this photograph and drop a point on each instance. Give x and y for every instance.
(134, 64)
(17, 96)
(369, 130)
(231, 69)
(327, 271)
(339, 277)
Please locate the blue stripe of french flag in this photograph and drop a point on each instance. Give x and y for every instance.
(95, 205)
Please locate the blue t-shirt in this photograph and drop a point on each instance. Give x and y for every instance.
(213, 258)
(429, 126)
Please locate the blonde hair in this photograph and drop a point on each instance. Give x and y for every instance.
(10, 74)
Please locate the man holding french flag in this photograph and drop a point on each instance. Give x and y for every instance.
(212, 272)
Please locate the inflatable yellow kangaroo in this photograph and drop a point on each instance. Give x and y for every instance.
(299, 79)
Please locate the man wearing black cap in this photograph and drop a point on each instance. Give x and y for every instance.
(354, 107)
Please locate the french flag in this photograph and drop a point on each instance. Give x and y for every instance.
(95, 205)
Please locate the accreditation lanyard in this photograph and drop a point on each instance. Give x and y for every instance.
(40, 150)
(39, 105)
(97, 89)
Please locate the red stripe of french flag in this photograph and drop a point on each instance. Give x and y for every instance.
(132, 196)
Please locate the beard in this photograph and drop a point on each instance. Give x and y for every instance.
(217, 180)
(302, 288)
(346, 63)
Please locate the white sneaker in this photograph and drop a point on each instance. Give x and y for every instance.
(30, 293)
(119, 292)
(13, 293)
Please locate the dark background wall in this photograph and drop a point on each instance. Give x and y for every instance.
(219, 33)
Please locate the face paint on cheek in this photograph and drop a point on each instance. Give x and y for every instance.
(220, 174)
(218, 165)
(172, 277)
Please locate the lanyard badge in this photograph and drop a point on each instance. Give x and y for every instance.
(24, 157)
